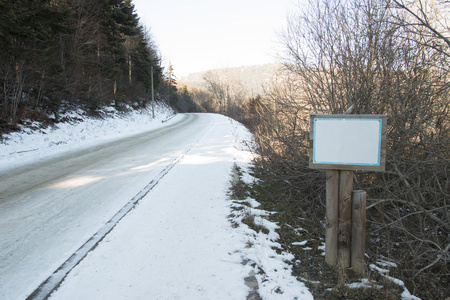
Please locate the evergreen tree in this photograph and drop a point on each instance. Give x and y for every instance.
(29, 32)
(143, 62)
(84, 51)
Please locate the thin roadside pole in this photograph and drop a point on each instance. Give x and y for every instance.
(153, 95)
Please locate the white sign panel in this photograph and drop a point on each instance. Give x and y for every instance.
(348, 141)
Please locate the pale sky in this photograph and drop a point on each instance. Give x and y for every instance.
(198, 35)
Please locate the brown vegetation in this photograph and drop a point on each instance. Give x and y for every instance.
(372, 57)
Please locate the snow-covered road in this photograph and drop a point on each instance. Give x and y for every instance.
(177, 243)
(49, 209)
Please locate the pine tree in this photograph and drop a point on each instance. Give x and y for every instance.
(29, 33)
(84, 51)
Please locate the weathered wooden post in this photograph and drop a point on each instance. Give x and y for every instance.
(359, 199)
(332, 209)
(345, 217)
(341, 144)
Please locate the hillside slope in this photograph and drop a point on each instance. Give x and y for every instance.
(252, 78)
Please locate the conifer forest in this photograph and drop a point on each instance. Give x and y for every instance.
(82, 52)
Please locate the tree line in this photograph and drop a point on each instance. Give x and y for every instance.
(85, 52)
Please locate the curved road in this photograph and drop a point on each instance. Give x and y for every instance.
(51, 208)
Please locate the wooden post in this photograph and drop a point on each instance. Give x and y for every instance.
(345, 218)
(331, 230)
(335, 145)
(359, 199)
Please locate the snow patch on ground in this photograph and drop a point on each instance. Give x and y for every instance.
(272, 267)
(406, 295)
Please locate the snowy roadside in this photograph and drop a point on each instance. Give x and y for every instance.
(28, 145)
(179, 242)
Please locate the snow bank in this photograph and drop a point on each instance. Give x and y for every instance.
(29, 145)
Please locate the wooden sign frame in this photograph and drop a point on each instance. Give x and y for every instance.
(348, 142)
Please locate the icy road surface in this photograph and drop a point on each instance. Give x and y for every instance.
(177, 243)
(49, 209)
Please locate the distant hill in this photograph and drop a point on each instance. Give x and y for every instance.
(252, 78)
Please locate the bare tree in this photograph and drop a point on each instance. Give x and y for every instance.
(217, 88)
(227, 90)
(379, 57)
(430, 16)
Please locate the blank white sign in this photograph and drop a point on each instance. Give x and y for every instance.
(347, 141)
